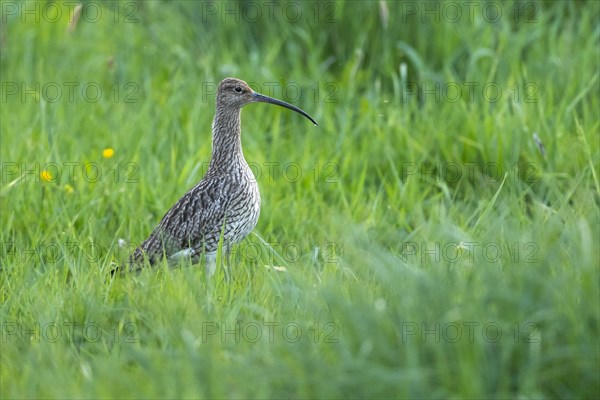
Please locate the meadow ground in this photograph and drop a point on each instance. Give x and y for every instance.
(436, 236)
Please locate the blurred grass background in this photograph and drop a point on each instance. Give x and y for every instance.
(430, 248)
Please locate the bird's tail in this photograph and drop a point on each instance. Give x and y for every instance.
(134, 263)
(149, 253)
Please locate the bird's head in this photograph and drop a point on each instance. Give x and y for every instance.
(235, 93)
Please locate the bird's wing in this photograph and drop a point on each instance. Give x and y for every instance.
(195, 216)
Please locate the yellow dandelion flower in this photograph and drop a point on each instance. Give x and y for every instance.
(108, 152)
(46, 176)
(69, 189)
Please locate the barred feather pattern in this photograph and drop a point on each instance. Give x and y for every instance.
(225, 202)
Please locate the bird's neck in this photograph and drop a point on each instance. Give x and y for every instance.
(226, 141)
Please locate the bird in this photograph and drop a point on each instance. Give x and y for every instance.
(224, 207)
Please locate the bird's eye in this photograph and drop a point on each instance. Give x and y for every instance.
(238, 89)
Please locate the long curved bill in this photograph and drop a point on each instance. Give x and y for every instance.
(266, 99)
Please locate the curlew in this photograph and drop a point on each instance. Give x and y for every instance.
(225, 205)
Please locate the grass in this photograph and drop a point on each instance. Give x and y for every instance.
(417, 244)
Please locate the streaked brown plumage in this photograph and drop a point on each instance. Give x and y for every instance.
(227, 199)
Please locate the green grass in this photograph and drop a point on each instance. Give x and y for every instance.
(430, 249)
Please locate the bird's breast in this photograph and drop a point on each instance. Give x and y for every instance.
(244, 206)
